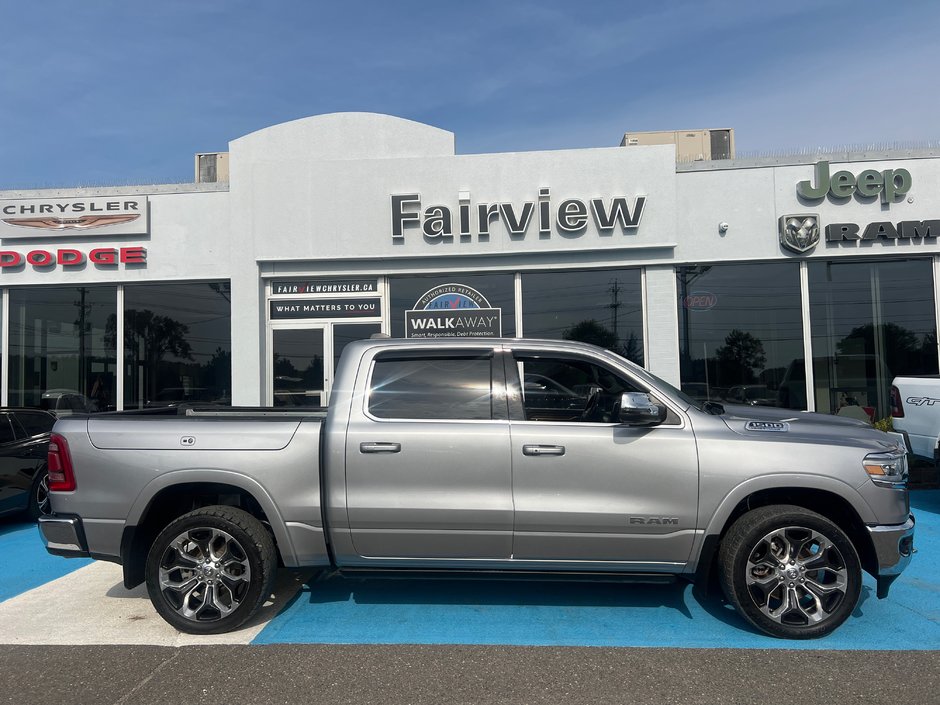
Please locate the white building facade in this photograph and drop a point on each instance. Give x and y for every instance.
(806, 283)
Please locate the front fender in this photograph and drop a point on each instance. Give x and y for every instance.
(784, 481)
(707, 541)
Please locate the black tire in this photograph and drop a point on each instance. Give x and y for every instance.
(806, 595)
(39, 504)
(211, 570)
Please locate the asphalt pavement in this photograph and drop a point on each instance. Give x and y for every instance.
(439, 675)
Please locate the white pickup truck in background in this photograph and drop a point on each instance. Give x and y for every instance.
(915, 412)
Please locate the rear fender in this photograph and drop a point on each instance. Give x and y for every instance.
(252, 487)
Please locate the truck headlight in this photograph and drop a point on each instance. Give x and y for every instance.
(887, 469)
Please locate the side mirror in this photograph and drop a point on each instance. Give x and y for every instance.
(637, 409)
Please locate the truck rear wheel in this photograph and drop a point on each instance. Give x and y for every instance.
(211, 570)
(790, 572)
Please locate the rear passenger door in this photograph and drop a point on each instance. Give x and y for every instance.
(428, 469)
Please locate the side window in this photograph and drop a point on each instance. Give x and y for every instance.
(6, 430)
(36, 423)
(448, 388)
(570, 389)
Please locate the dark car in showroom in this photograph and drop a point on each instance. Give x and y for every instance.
(24, 444)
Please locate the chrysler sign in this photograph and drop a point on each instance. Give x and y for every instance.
(74, 217)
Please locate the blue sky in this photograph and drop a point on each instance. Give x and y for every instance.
(125, 92)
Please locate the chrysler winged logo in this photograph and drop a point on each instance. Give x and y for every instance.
(799, 233)
(81, 223)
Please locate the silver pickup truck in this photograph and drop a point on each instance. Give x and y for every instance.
(487, 455)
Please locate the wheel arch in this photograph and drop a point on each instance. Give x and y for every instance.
(174, 494)
(831, 498)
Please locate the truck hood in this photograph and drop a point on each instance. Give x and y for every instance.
(777, 424)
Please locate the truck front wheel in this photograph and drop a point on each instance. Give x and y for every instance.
(790, 572)
(211, 570)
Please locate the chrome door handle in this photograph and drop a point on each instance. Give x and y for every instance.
(543, 450)
(380, 447)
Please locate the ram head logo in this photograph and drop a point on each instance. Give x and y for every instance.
(799, 233)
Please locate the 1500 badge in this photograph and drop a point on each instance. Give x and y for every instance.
(772, 426)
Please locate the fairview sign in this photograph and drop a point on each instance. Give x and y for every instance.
(570, 217)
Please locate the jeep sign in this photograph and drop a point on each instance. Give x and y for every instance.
(890, 183)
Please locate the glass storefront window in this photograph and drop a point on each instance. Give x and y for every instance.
(346, 333)
(62, 348)
(177, 344)
(603, 307)
(870, 321)
(741, 334)
(497, 290)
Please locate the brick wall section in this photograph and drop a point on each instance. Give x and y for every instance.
(662, 323)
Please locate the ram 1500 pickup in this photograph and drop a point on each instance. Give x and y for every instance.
(487, 455)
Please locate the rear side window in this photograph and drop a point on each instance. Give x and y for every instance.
(432, 388)
(34, 423)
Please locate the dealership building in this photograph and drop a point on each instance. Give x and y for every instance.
(804, 282)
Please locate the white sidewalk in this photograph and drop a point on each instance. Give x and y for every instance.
(91, 606)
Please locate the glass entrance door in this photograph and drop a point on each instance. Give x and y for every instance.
(298, 367)
(303, 360)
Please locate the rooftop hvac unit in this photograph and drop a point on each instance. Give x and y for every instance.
(211, 167)
(691, 145)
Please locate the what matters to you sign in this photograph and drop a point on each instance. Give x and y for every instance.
(326, 308)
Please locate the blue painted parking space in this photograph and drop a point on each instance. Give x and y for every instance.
(24, 563)
(336, 610)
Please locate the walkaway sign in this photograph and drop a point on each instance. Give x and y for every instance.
(453, 311)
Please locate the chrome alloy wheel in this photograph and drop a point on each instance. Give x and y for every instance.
(42, 495)
(796, 576)
(204, 574)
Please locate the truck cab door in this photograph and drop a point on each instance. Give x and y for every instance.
(586, 488)
(428, 471)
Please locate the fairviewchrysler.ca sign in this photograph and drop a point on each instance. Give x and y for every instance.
(73, 217)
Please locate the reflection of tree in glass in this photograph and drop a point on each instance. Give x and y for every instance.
(150, 337)
(286, 376)
(590, 331)
(633, 350)
(313, 375)
(902, 348)
(161, 335)
(740, 358)
(219, 369)
(284, 367)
